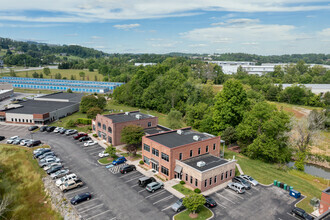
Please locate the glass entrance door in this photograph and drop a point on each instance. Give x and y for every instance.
(154, 166)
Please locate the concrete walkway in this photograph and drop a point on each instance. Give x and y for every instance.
(239, 169)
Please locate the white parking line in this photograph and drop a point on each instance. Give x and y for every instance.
(228, 190)
(248, 192)
(226, 198)
(166, 208)
(91, 208)
(255, 188)
(86, 187)
(141, 190)
(292, 216)
(134, 185)
(156, 194)
(113, 218)
(133, 179)
(91, 200)
(168, 197)
(87, 207)
(219, 203)
(133, 172)
(98, 215)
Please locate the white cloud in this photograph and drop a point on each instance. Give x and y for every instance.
(102, 10)
(126, 26)
(250, 43)
(324, 33)
(197, 45)
(96, 37)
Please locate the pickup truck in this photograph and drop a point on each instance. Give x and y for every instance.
(71, 184)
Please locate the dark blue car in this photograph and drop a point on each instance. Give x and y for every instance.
(119, 160)
(80, 198)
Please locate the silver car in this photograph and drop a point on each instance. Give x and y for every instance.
(152, 187)
(59, 174)
(178, 206)
(236, 187)
(250, 180)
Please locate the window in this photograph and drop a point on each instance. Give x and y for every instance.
(16, 119)
(164, 170)
(199, 151)
(155, 152)
(12, 119)
(146, 147)
(110, 140)
(93, 127)
(99, 133)
(205, 183)
(99, 124)
(191, 180)
(146, 160)
(226, 174)
(165, 157)
(196, 182)
(191, 153)
(180, 156)
(215, 179)
(19, 120)
(210, 181)
(186, 177)
(213, 146)
(221, 176)
(104, 127)
(31, 120)
(22, 120)
(207, 149)
(149, 124)
(231, 172)
(110, 130)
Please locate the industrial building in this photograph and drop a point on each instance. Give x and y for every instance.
(42, 110)
(6, 90)
(62, 85)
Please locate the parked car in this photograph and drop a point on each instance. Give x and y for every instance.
(144, 181)
(301, 213)
(79, 135)
(90, 143)
(209, 202)
(41, 152)
(178, 206)
(51, 165)
(33, 143)
(50, 128)
(51, 153)
(152, 187)
(48, 161)
(56, 130)
(242, 181)
(43, 128)
(38, 150)
(80, 198)
(237, 187)
(127, 168)
(11, 140)
(2, 138)
(66, 178)
(70, 132)
(119, 160)
(85, 138)
(59, 174)
(62, 131)
(71, 184)
(103, 154)
(25, 142)
(53, 169)
(32, 128)
(17, 141)
(250, 180)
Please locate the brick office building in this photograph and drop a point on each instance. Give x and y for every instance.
(109, 127)
(176, 153)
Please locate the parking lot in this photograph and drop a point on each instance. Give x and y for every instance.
(257, 203)
(11, 130)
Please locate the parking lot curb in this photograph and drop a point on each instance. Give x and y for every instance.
(186, 210)
(103, 164)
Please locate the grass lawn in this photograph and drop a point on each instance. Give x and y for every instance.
(265, 173)
(204, 213)
(35, 91)
(136, 157)
(106, 160)
(20, 178)
(182, 189)
(62, 122)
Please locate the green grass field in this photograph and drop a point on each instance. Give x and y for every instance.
(182, 189)
(20, 178)
(35, 91)
(265, 173)
(203, 214)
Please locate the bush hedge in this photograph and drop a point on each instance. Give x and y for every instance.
(84, 121)
(197, 190)
(182, 182)
(141, 162)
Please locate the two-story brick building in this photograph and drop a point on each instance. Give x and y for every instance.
(187, 155)
(109, 127)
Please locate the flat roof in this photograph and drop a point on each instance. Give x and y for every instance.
(210, 162)
(38, 107)
(174, 139)
(156, 130)
(327, 191)
(130, 116)
(64, 95)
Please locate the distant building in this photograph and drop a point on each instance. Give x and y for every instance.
(1, 63)
(145, 64)
(42, 110)
(6, 90)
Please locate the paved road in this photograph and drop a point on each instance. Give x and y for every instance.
(121, 200)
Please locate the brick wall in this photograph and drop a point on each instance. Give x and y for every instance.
(325, 201)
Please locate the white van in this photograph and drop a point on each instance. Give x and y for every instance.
(66, 178)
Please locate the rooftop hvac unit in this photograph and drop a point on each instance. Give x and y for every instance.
(196, 138)
(179, 131)
(126, 113)
(138, 116)
(201, 163)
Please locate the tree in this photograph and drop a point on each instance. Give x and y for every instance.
(193, 201)
(69, 91)
(174, 119)
(230, 105)
(58, 76)
(229, 135)
(71, 123)
(82, 75)
(12, 73)
(90, 101)
(35, 75)
(132, 136)
(111, 151)
(92, 112)
(46, 71)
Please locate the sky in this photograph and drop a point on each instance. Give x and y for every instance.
(264, 27)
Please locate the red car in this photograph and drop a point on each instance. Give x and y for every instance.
(79, 135)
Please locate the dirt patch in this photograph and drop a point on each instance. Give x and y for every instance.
(193, 215)
(296, 113)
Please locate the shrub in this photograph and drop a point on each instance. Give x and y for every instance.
(94, 135)
(182, 182)
(197, 190)
(92, 112)
(141, 162)
(71, 123)
(84, 121)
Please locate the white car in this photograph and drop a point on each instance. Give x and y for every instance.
(11, 140)
(66, 178)
(250, 180)
(103, 154)
(89, 143)
(25, 141)
(56, 130)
